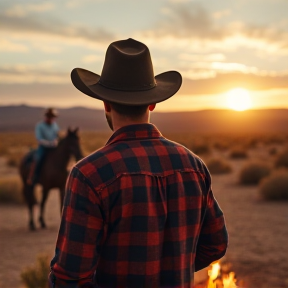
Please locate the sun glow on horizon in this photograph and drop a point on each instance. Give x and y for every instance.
(238, 99)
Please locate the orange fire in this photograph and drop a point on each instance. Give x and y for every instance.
(218, 279)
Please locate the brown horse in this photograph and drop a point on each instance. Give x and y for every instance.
(53, 173)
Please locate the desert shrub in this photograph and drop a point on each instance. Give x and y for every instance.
(275, 186)
(37, 276)
(272, 151)
(253, 172)
(276, 139)
(221, 145)
(3, 150)
(251, 142)
(200, 148)
(218, 166)
(13, 160)
(282, 159)
(238, 153)
(10, 191)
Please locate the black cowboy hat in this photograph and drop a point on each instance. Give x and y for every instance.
(51, 112)
(127, 77)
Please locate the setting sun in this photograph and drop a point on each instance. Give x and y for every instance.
(238, 99)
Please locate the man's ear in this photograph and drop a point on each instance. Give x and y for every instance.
(152, 107)
(107, 106)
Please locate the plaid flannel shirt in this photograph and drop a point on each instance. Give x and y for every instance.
(138, 212)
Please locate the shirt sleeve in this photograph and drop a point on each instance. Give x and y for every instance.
(213, 239)
(80, 235)
(38, 132)
(56, 128)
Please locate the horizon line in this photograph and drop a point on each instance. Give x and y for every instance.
(168, 111)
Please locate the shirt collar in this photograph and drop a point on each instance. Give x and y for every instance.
(135, 131)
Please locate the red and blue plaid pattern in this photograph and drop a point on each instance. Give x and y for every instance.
(139, 212)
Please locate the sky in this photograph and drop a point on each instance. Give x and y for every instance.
(216, 45)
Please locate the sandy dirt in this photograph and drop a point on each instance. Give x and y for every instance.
(258, 233)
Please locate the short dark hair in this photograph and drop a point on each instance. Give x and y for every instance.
(130, 111)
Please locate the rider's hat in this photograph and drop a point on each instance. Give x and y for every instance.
(51, 112)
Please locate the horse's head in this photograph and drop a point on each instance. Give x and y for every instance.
(73, 144)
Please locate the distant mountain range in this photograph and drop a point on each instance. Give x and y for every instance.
(24, 118)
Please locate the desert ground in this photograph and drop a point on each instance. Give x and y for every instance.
(258, 229)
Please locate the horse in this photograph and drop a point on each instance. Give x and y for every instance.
(53, 173)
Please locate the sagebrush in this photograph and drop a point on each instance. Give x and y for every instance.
(238, 153)
(282, 159)
(218, 166)
(36, 276)
(10, 191)
(275, 186)
(252, 172)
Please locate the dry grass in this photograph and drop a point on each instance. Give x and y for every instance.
(14, 158)
(253, 172)
(275, 186)
(11, 142)
(218, 166)
(10, 191)
(37, 276)
(282, 159)
(201, 143)
(91, 141)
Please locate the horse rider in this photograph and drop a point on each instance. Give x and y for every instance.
(46, 133)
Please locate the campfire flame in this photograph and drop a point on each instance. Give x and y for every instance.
(229, 280)
(219, 279)
(213, 274)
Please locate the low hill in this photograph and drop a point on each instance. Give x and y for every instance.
(23, 118)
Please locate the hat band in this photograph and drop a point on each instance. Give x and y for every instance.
(117, 86)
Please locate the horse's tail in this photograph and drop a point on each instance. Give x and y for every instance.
(24, 168)
(25, 165)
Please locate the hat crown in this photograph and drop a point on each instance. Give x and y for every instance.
(51, 112)
(127, 66)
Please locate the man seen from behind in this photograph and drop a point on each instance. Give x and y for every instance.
(140, 211)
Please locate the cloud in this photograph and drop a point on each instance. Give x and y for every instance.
(12, 46)
(223, 82)
(42, 72)
(47, 47)
(21, 10)
(221, 14)
(180, 1)
(72, 4)
(201, 70)
(233, 67)
(27, 27)
(189, 21)
(192, 27)
(202, 57)
(92, 58)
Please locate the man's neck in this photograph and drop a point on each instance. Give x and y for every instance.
(120, 121)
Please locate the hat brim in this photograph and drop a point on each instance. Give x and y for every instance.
(51, 115)
(168, 83)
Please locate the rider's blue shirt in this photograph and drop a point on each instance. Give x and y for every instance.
(46, 133)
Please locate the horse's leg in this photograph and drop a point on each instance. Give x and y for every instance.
(45, 192)
(29, 196)
(31, 221)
